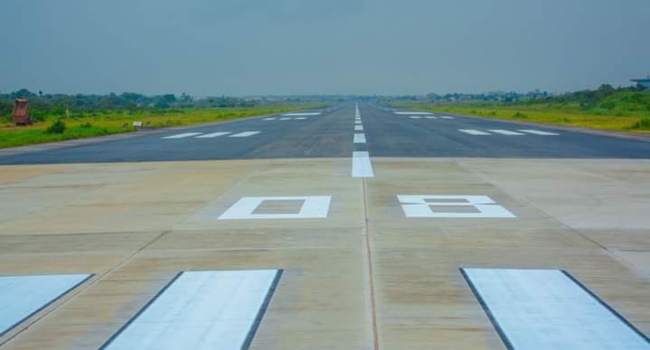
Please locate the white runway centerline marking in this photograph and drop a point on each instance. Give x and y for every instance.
(505, 132)
(474, 132)
(245, 134)
(431, 117)
(539, 132)
(421, 206)
(446, 117)
(361, 165)
(357, 122)
(358, 128)
(313, 207)
(359, 138)
(285, 118)
(301, 118)
(269, 119)
(304, 114)
(213, 135)
(549, 309)
(413, 113)
(23, 296)
(202, 310)
(415, 117)
(182, 136)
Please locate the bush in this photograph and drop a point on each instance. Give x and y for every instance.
(86, 125)
(643, 123)
(520, 115)
(58, 127)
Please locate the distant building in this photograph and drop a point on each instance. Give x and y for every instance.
(643, 82)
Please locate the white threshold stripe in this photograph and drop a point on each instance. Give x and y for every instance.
(506, 132)
(245, 134)
(305, 114)
(213, 135)
(201, 310)
(474, 132)
(182, 136)
(549, 309)
(357, 122)
(359, 138)
(539, 132)
(413, 113)
(361, 165)
(358, 128)
(23, 296)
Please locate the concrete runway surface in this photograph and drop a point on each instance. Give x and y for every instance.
(347, 228)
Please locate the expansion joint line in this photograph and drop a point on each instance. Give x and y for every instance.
(371, 279)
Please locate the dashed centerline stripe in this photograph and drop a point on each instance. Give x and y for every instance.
(358, 128)
(359, 138)
(361, 165)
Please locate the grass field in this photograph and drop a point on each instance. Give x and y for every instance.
(635, 120)
(92, 125)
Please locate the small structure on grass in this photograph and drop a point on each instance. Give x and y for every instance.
(643, 82)
(21, 112)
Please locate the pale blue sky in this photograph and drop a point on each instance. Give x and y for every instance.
(250, 47)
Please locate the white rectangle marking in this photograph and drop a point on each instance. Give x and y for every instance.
(505, 132)
(446, 117)
(361, 165)
(413, 113)
(548, 309)
(420, 206)
(213, 135)
(245, 134)
(474, 132)
(431, 117)
(301, 118)
(305, 114)
(314, 207)
(357, 122)
(201, 310)
(23, 296)
(539, 132)
(359, 138)
(358, 128)
(182, 136)
(269, 119)
(415, 117)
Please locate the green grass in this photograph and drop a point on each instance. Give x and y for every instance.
(624, 112)
(93, 125)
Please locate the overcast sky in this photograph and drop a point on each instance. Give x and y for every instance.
(256, 47)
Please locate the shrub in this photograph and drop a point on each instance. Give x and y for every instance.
(86, 125)
(520, 115)
(58, 127)
(643, 123)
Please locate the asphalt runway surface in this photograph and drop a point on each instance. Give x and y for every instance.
(329, 135)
